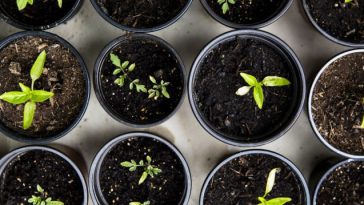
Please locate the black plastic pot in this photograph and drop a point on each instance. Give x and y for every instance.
(310, 114)
(323, 32)
(21, 25)
(274, 17)
(256, 152)
(105, 16)
(20, 151)
(23, 138)
(299, 82)
(325, 170)
(97, 81)
(94, 181)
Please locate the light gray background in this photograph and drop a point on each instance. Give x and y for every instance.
(89, 33)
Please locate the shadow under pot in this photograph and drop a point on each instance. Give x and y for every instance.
(246, 88)
(246, 14)
(139, 80)
(141, 16)
(340, 21)
(37, 174)
(142, 168)
(44, 87)
(341, 184)
(254, 177)
(336, 104)
(40, 15)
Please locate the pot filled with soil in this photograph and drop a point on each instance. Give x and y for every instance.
(141, 15)
(139, 168)
(139, 80)
(246, 88)
(243, 14)
(255, 177)
(38, 14)
(37, 175)
(341, 21)
(341, 184)
(336, 104)
(44, 87)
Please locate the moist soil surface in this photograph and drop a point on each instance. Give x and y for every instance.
(151, 58)
(340, 20)
(345, 185)
(249, 11)
(337, 104)
(120, 186)
(242, 180)
(142, 13)
(55, 175)
(62, 76)
(218, 78)
(41, 13)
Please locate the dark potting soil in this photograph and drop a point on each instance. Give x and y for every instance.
(151, 58)
(345, 185)
(120, 186)
(249, 11)
(62, 76)
(142, 13)
(56, 176)
(41, 13)
(337, 106)
(242, 180)
(340, 20)
(218, 78)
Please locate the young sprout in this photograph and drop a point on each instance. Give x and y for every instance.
(158, 90)
(268, 189)
(149, 169)
(139, 203)
(362, 121)
(269, 81)
(22, 4)
(42, 198)
(27, 95)
(225, 5)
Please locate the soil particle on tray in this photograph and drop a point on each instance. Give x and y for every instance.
(218, 79)
(56, 176)
(249, 11)
(151, 58)
(345, 185)
(344, 21)
(142, 13)
(62, 76)
(41, 13)
(242, 180)
(120, 186)
(337, 106)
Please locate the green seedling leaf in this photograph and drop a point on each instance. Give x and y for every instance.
(115, 60)
(60, 3)
(348, 1)
(362, 123)
(152, 79)
(143, 178)
(39, 189)
(125, 64)
(117, 71)
(127, 164)
(243, 90)
(278, 201)
(273, 81)
(22, 4)
(29, 110)
(38, 67)
(54, 203)
(225, 7)
(15, 97)
(270, 181)
(258, 96)
(40, 95)
(165, 92)
(24, 88)
(131, 67)
(249, 79)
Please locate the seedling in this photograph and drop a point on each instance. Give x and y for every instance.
(362, 121)
(139, 203)
(149, 169)
(27, 95)
(22, 4)
(225, 5)
(158, 90)
(269, 81)
(42, 198)
(268, 189)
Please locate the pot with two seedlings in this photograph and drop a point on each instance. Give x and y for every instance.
(44, 87)
(246, 88)
(336, 104)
